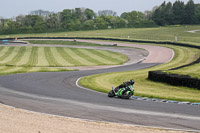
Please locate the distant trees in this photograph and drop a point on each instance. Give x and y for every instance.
(177, 13)
(137, 19)
(107, 13)
(40, 13)
(53, 22)
(189, 12)
(86, 19)
(197, 14)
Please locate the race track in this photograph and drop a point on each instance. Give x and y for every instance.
(57, 93)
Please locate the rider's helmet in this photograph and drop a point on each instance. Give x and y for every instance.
(132, 81)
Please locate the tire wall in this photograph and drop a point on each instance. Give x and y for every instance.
(174, 79)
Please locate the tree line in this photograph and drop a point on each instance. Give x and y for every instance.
(40, 21)
(177, 13)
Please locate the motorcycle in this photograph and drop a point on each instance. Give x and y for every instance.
(119, 92)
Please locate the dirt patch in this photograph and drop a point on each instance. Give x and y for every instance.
(13, 120)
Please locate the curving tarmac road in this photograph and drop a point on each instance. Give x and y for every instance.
(57, 93)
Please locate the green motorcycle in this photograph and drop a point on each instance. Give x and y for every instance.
(124, 91)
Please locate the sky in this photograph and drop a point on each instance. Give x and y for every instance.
(13, 8)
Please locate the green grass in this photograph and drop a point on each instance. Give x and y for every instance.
(145, 87)
(193, 71)
(18, 57)
(50, 58)
(72, 61)
(8, 52)
(159, 34)
(32, 59)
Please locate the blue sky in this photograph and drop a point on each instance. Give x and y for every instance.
(12, 8)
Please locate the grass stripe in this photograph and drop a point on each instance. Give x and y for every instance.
(85, 53)
(59, 58)
(7, 53)
(1, 48)
(78, 57)
(18, 57)
(93, 54)
(111, 57)
(67, 57)
(94, 57)
(11, 56)
(25, 57)
(50, 58)
(114, 56)
(33, 59)
(42, 61)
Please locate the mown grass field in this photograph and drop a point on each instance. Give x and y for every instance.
(145, 87)
(20, 59)
(159, 34)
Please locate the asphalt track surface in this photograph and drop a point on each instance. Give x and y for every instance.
(57, 93)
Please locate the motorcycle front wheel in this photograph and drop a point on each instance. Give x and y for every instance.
(111, 94)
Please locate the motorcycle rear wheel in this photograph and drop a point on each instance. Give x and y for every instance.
(127, 96)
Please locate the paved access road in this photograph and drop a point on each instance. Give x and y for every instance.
(57, 93)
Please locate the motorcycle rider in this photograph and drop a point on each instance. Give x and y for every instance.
(125, 85)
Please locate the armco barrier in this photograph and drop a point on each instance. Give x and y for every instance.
(174, 79)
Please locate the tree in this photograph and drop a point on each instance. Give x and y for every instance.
(66, 18)
(53, 21)
(178, 10)
(168, 13)
(134, 18)
(115, 22)
(197, 14)
(89, 14)
(36, 22)
(157, 16)
(100, 23)
(88, 25)
(148, 15)
(107, 13)
(2, 24)
(78, 14)
(75, 25)
(189, 12)
(40, 12)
